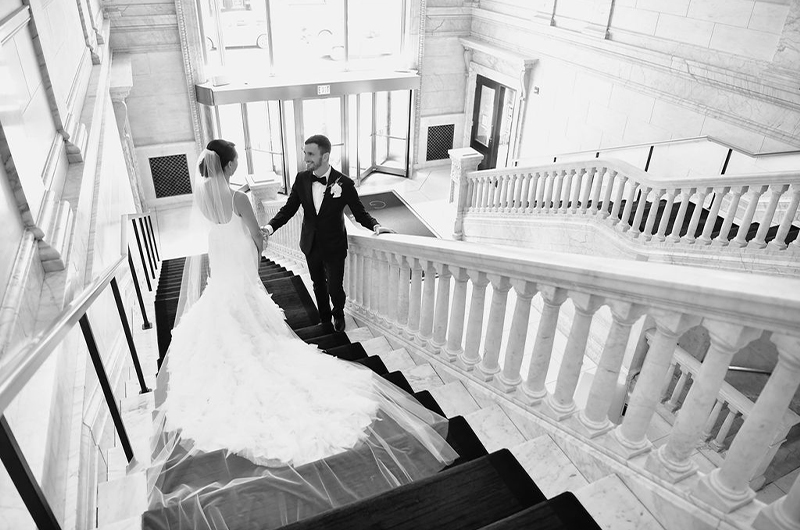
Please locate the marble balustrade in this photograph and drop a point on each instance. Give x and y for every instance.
(617, 194)
(455, 306)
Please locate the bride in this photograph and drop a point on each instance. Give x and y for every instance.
(237, 382)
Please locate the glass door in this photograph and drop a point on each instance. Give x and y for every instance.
(486, 119)
(324, 116)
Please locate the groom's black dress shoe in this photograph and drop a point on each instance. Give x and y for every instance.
(338, 324)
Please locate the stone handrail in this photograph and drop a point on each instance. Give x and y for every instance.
(431, 295)
(610, 192)
(734, 403)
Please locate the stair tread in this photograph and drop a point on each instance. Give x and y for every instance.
(121, 498)
(563, 512)
(610, 503)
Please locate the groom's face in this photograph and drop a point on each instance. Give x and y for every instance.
(314, 158)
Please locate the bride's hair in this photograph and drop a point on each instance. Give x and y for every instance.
(225, 150)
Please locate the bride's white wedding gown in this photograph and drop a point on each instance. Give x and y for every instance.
(238, 379)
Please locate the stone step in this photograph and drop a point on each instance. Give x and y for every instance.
(376, 346)
(117, 463)
(494, 428)
(614, 507)
(398, 359)
(131, 523)
(358, 334)
(454, 399)
(423, 377)
(121, 499)
(548, 466)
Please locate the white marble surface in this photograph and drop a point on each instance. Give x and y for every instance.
(494, 429)
(122, 498)
(398, 359)
(376, 346)
(423, 377)
(454, 399)
(358, 334)
(614, 507)
(548, 466)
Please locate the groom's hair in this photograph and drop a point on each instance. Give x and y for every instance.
(322, 142)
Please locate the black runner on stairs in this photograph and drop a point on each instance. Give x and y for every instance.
(562, 512)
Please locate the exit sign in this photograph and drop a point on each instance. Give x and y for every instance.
(323, 90)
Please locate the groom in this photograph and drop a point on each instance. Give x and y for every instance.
(324, 192)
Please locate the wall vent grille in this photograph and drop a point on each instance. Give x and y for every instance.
(170, 175)
(440, 140)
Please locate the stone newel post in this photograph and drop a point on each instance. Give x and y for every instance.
(463, 161)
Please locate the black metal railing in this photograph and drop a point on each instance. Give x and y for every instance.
(19, 370)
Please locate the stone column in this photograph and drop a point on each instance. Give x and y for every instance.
(455, 330)
(462, 162)
(442, 309)
(594, 418)
(560, 404)
(392, 294)
(637, 217)
(766, 221)
(779, 243)
(727, 488)
(691, 232)
(494, 328)
(671, 462)
(119, 89)
(510, 378)
(402, 292)
(711, 220)
(661, 234)
(415, 298)
(630, 438)
(552, 298)
(722, 238)
(783, 514)
(428, 300)
(470, 357)
(675, 236)
(754, 195)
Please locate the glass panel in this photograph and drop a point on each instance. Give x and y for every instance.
(505, 128)
(230, 117)
(264, 121)
(381, 127)
(485, 112)
(353, 135)
(372, 41)
(366, 136)
(291, 143)
(309, 34)
(324, 116)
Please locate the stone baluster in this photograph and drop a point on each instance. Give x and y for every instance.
(779, 243)
(711, 220)
(666, 214)
(618, 199)
(455, 330)
(673, 365)
(727, 488)
(375, 285)
(598, 187)
(686, 194)
(494, 328)
(626, 213)
(520, 181)
(651, 215)
(575, 201)
(347, 282)
(488, 193)
(594, 418)
(384, 279)
(552, 298)
(403, 285)
(503, 185)
(718, 443)
(462, 162)
(470, 202)
(783, 514)
(392, 293)
(560, 404)
(513, 181)
(612, 175)
(428, 300)
(510, 378)
(524, 192)
(480, 193)
(698, 210)
(673, 403)
(754, 195)
(531, 194)
(586, 188)
(566, 192)
(730, 215)
(640, 206)
(541, 188)
(415, 298)
(775, 193)
(364, 279)
(630, 438)
(672, 461)
(708, 428)
(497, 203)
(472, 342)
(558, 183)
(442, 309)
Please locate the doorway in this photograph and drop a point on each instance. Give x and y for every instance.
(491, 121)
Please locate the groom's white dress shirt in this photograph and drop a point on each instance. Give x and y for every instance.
(318, 190)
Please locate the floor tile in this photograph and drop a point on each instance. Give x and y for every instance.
(614, 507)
(423, 377)
(494, 429)
(548, 466)
(454, 399)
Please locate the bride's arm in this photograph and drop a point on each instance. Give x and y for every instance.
(245, 210)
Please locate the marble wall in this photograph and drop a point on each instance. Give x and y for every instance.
(11, 233)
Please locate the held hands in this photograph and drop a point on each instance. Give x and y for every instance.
(378, 230)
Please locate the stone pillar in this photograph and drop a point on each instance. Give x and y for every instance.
(594, 418)
(470, 357)
(736, 194)
(442, 309)
(428, 299)
(494, 328)
(510, 378)
(691, 232)
(711, 220)
(644, 193)
(766, 221)
(783, 514)
(728, 487)
(661, 234)
(630, 438)
(455, 330)
(392, 291)
(754, 195)
(415, 298)
(462, 161)
(779, 243)
(119, 89)
(671, 462)
(533, 388)
(402, 292)
(675, 236)
(560, 404)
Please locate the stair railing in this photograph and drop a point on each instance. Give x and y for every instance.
(146, 243)
(431, 295)
(616, 194)
(731, 408)
(19, 370)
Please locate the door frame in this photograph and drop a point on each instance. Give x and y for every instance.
(490, 158)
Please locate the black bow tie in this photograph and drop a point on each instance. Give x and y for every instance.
(321, 180)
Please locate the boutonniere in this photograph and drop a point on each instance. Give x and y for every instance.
(336, 190)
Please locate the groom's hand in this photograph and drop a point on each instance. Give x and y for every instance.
(383, 230)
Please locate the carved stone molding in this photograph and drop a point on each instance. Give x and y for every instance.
(193, 66)
(119, 89)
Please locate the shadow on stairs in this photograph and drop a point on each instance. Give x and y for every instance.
(478, 490)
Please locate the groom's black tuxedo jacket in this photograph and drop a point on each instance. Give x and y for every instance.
(327, 226)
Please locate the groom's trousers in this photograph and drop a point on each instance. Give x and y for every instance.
(327, 275)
